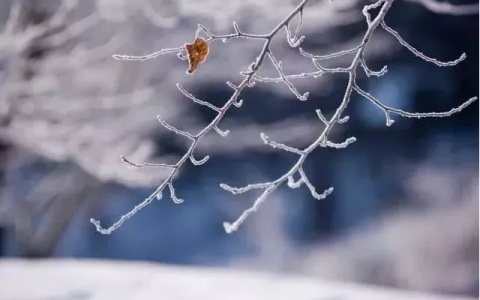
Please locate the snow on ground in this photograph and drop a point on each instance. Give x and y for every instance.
(113, 280)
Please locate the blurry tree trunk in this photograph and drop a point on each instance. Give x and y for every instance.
(42, 236)
(38, 225)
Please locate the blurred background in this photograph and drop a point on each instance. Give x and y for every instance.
(404, 212)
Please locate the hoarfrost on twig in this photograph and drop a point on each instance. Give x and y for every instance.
(250, 77)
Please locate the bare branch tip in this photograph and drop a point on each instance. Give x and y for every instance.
(238, 103)
(220, 132)
(99, 227)
(228, 227)
(291, 183)
(199, 162)
(127, 161)
(230, 189)
(322, 117)
(174, 197)
(231, 85)
(343, 120)
(235, 26)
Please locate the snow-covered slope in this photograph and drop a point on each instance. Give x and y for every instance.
(108, 280)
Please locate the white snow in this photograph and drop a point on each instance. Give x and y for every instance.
(114, 280)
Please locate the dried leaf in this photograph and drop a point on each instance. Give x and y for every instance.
(197, 53)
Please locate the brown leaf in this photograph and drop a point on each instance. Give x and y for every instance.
(197, 53)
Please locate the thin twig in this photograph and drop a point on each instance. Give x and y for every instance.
(322, 140)
(248, 76)
(148, 56)
(298, 166)
(420, 54)
(388, 110)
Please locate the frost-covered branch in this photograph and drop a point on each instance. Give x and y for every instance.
(389, 110)
(420, 54)
(273, 144)
(148, 56)
(322, 140)
(278, 66)
(250, 77)
(246, 82)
